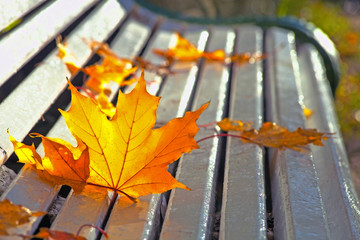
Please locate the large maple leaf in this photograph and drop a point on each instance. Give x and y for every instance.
(123, 153)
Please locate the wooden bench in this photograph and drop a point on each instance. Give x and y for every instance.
(236, 187)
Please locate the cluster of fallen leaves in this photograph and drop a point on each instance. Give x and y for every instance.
(117, 147)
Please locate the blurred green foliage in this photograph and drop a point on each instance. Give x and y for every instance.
(332, 19)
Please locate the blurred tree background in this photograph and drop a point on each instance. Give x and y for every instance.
(340, 20)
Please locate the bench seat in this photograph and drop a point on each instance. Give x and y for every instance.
(236, 188)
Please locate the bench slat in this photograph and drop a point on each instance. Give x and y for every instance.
(297, 204)
(175, 91)
(22, 44)
(189, 213)
(243, 206)
(14, 10)
(26, 104)
(331, 159)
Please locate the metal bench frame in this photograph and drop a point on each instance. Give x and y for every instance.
(312, 195)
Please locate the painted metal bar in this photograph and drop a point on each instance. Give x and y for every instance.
(22, 44)
(189, 213)
(331, 162)
(297, 203)
(243, 210)
(11, 12)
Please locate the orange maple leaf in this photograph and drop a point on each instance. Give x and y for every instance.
(182, 51)
(12, 216)
(272, 135)
(217, 55)
(125, 153)
(46, 233)
(185, 51)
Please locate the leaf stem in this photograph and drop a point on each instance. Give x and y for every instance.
(87, 91)
(92, 226)
(128, 196)
(206, 125)
(221, 135)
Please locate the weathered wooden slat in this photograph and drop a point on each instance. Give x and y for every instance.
(175, 93)
(331, 159)
(49, 78)
(297, 203)
(189, 213)
(26, 104)
(22, 44)
(13, 11)
(243, 206)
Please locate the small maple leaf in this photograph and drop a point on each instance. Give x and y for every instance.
(182, 51)
(49, 234)
(272, 135)
(102, 49)
(111, 69)
(12, 215)
(69, 59)
(246, 57)
(125, 153)
(228, 125)
(217, 55)
(185, 51)
(160, 69)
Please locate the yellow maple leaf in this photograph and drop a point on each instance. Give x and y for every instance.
(125, 153)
